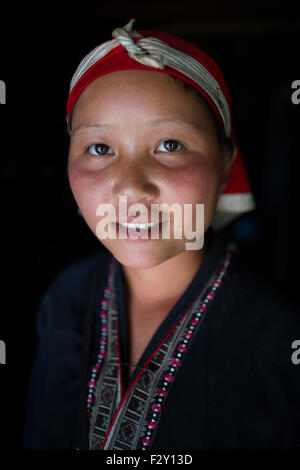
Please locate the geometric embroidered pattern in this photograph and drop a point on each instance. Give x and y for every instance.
(129, 421)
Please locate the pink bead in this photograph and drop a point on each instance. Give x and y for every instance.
(195, 321)
(168, 377)
(156, 407)
(101, 354)
(151, 425)
(90, 399)
(202, 308)
(104, 328)
(175, 362)
(146, 441)
(161, 393)
(103, 314)
(103, 341)
(210, 295)
(188, 335)
(97, 366)
(217, 282)
(91, 384)
(181, 348)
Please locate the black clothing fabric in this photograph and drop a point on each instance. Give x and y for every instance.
(237, 388)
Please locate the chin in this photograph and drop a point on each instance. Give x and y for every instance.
(140, 256)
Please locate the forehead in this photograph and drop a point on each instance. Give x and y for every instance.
(141, 77)
(143, 92)
(133, 84)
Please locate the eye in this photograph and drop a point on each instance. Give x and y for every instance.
(170, 145)
(98, 149)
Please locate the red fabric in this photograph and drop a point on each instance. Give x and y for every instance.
(118, 59)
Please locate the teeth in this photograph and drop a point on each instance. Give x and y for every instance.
(141, 226)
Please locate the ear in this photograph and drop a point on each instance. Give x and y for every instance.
(229, 157)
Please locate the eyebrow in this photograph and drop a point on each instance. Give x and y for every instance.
(92, 125)
(195, 124)
(153, 123)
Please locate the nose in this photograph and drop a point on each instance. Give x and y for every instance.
(136, 181)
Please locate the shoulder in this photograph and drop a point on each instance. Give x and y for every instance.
(78, 273)
(266, 315)
(67, 294)
(255, 288)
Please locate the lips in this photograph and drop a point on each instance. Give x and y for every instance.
(137, 232)
(142, 226)
(139, 227)
(138, 220)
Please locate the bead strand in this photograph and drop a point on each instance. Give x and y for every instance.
(91, 384)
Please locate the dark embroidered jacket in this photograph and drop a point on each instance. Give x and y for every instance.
(234, 387)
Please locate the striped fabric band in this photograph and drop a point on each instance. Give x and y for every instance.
(156, 53)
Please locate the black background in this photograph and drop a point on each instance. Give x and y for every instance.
(257, 45)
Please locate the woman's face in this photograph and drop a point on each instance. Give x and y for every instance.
(121, 127)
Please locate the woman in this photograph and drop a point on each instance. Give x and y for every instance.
(152, 344)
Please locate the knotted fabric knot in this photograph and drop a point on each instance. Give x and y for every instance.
(125, 36)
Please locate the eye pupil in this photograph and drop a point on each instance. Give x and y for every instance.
(170, 145)
(98, 148)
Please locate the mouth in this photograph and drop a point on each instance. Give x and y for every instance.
(139, 226)
(138, 232)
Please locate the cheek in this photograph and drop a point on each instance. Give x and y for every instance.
(88, 190)
(197, 183)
